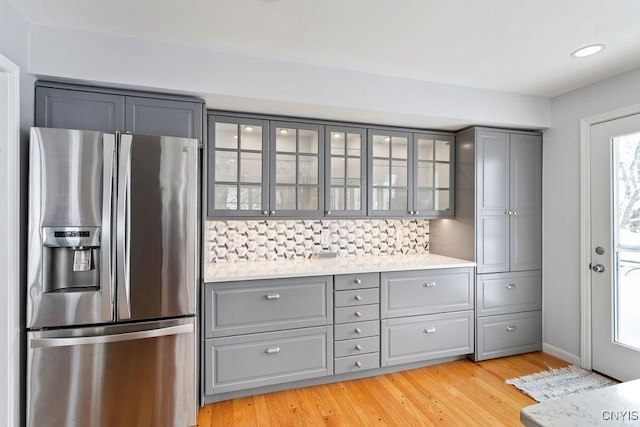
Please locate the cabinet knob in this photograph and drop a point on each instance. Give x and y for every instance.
(511, 286)
(430, 330)
(514, 213)
(358, 314)
(358, 331)
(272, 350)
(430, 285)
(272, 213)
(358, 281)
(511, 328)
(417, 213)
(358, 364)
(412, 213)
(508, 213)
(273, 296)
(328, 213)
(357, 298)
(358, 347)
(265, 213)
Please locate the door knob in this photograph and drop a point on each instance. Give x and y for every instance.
(598, 268)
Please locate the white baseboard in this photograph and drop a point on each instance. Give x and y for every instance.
(561, 354)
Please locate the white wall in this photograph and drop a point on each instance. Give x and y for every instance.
(235, 82)
(561, 202)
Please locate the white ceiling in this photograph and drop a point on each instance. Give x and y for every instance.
(519, 46)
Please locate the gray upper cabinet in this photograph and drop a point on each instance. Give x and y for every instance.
(508, 201)
(237, 166)
(410, 174)
(296, 186)
(69, 106)
(345, 183)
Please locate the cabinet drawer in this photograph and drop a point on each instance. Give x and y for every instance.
(255, 360)
(234, 308)
(356, 346)
(356, 281)
(345, 365)
(504, 293)
(348, 331)
(410, 293)
(508, 334)
(414, 339)
(356, 297)
(357, 314)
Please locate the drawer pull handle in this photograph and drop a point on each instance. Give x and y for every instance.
(511, 286)
(358, 347)
(273, 296)
(358, 281)
(430, 285)
(358, 314)
(357, 298)
(430, 330)
(272, 350)
(358, 331)
(511, 328)
(358, 364)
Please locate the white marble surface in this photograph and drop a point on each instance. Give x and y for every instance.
(617, 405)
(231, 271)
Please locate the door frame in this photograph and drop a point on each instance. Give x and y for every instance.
(586, 346)
(10, 295)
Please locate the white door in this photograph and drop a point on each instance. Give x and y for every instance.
(615, 247)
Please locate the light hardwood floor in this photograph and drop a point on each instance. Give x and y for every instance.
(460, 393)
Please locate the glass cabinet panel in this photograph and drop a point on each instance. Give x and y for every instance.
(297, 163)
(237, 166)
(345, 171)
(435, 174)
(390, 172)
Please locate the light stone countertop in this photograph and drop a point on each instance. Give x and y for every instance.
(234, 271)
(616, 405)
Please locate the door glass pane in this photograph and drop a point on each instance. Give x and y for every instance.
(226, 166)
(337, 144)
(337, 199)
(250, 167)
(308, 141)
(353, 199)
(250, 197)
(381, 146)
(226, 197)
(285, 197)
(425, 200)
(285, 169)
(337, 171)
(354, 144)
(308, 169)
(425, 149)
(626, 207)
(226, 135)
(442, 175)
(399, 173)
(308, 198)
(425, 174)
(380, 199)
(443, 151)
(381, 172)
(399, 199)
(251, 137)
(399, 147)
(353, 171)
(442, 200)
(286, 140)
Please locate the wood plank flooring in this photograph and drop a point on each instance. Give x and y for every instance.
(460, 393)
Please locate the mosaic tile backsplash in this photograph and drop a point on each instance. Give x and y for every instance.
(232, 241)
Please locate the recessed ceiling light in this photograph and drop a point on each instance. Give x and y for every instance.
(248, 128)
(587, 50)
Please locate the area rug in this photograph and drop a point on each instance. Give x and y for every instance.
(560, 382)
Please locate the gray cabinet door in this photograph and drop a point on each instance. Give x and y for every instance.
(152, 116)
(525, 183)
(78, 109)
(492, 198)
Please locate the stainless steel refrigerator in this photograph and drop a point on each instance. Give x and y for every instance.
(113, 251)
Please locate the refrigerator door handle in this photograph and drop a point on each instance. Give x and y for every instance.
(106, 281)
(123, 234)
(105, 339)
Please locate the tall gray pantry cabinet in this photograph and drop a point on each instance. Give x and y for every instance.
(498, 224)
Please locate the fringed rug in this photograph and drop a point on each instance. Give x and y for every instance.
(559, 382)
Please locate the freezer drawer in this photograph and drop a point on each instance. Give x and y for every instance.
(140, 374)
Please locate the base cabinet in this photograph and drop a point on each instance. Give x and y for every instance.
(509, 334)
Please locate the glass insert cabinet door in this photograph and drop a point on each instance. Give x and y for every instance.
(433, 189)
(237, 166)
(297, 169)
(390, 169)
(345, 173)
